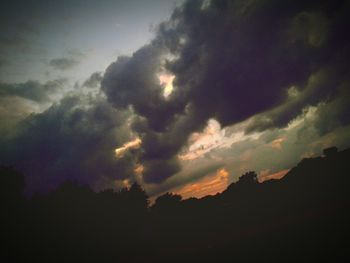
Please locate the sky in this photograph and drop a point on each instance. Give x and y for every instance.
(179, 96)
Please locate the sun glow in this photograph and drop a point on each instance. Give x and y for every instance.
(166, 81)
(134, 144)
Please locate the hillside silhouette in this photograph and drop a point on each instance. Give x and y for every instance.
(303, 217)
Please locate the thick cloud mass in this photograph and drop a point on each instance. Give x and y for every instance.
(18, 100)
(133, 82)
(72, 140)
(232, 60)
(261, 62)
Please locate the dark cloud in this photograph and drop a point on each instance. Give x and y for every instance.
(32, 90)
(334, 114)
(63, 63)
(94, 80)
(327, 116)
(73, 140)
(18, 100)
(232, 60)
(132, 81)
(265, 61)
(326, 86)
(239, 60)
(12, 110)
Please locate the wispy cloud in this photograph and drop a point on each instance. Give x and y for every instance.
(63, 63)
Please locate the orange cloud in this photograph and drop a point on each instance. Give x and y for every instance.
(265, 175)
(209, 185)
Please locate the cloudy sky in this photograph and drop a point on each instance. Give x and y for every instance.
(181, 96)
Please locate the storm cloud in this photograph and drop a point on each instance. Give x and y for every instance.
(232, 60)
(72, 140)
(18, 100)
(261, 63)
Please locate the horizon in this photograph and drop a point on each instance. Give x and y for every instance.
(326, 153)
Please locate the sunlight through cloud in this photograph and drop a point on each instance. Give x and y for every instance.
(166, 81)
(134, 144)
(209, 185)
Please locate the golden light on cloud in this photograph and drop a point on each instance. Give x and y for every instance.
(126, 183)
(122, 183)
(212, 137)
(134, 144)
(265, 175)
(139, 169)
(209, 185)
(277, 144)
(166, 81)
(203, 142)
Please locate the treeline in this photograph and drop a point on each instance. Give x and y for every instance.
(303, 217)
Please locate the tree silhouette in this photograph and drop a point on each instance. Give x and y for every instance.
(331, 151)
(137, 197)
(12, 185)
(303, 215)
(168, 202)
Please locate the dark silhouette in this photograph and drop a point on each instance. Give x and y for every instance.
(302, 217)
(330, 151)
(167, 203)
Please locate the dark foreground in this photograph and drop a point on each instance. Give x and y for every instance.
(302, 218)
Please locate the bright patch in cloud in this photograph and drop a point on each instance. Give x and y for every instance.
(139, 168)
(122, 183)
(277, 143)
(212, 137)
(209, 185)
(203, 142)
(134, 144)
(166, 81)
